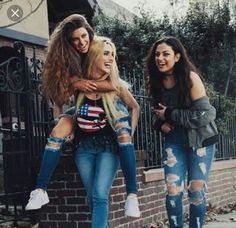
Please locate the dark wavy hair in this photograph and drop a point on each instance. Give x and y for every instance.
(182, 70)
(62, 60)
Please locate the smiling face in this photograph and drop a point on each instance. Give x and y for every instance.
(104, 61)
(80, 40)
(165, 58)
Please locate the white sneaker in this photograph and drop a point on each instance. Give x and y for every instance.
(38, 198)
(132, 206)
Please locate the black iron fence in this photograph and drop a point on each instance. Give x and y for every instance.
(147, 139)
(24, 125)
(226, 148)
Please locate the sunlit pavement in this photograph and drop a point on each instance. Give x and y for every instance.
(222, 221)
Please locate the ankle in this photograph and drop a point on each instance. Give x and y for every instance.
(132, 195)
(41, 189)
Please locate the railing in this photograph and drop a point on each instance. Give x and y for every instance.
(24, 124)
(149, 140)
(226, 148)
(145, 138)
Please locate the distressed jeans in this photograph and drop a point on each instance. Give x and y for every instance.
(51, 156)
(180, 160)
(97, 164)
(126, 152)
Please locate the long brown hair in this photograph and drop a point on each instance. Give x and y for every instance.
(182, 71)
(62, 60)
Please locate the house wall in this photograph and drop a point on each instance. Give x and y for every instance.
(68, 206)
(40, 50)
(32, 27)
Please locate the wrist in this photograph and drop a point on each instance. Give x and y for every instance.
(168, 113)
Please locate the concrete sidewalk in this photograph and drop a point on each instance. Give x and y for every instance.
(221, 221)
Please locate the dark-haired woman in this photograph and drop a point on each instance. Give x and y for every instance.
(186, 119)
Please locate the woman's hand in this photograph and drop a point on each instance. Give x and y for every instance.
(166, 127)
(89, 86)
(160, 112)
(85, 85)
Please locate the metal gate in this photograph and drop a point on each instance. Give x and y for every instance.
(24, 124)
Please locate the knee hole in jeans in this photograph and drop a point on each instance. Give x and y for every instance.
(120, 125)
(171, 159)
(197, 192)
(52, 145)
(124, 137)
(123, 134)
(174, 190)
(197, 201)
(196, 185)
(201, 152)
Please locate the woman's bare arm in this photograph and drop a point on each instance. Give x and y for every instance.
(198, 90)
(85, 85)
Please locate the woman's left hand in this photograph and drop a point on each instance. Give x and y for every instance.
(160, 112)
(166, 127)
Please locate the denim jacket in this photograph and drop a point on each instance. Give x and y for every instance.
(199, 121)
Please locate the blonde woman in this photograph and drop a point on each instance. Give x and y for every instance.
(100, 117)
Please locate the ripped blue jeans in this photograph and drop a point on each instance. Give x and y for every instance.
(180, 160)
(51, 156)
(126, 152)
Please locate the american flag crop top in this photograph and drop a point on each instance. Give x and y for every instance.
(91, 117)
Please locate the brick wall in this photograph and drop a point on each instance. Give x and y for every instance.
(68, 207)
(40, 50)
(222, 183)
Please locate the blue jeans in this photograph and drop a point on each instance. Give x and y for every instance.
(127, 156)
(126, 149)
(126, 152)
(51, 156)
(180, 160)
(97, 164)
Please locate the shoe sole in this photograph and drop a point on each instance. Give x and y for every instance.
(133, 216)
(129, 216)
(35, 208)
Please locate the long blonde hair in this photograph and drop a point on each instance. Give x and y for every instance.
(62, 60)
(109, 98)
